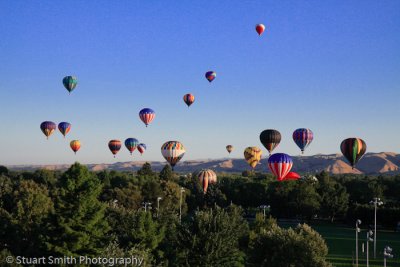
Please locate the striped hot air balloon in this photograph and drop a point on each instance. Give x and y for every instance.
(303, 138)
(64, 128)
(75, 145)
(173, 151)
(114, 146)
(280, 165)
(252, 155)
(188, 99)
(141, 148)
(48, 128)
(147, 115)
(131, 144)
(207, 177)
(353, 149)
(70, 83)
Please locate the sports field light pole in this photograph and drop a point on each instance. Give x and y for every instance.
(264, 207)
(369, 239)
(158, 205)
(387, 254)
(145, 204)
(180, 205)
(376, 202)
(358, 222)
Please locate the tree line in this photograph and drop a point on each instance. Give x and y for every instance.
(166, 218)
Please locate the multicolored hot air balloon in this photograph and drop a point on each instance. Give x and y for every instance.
(70, 83)
(270, 139)
(64, 127)
(353, 149)
(260, 28)
(252, 155)
(210, 75)
(114, 146)
(280, 164)
(189, 99)
(141, 148)
(173, 151)
(48, 127)
(207, 177)
(291, 176)
(75, 145)
(131, 144)
(303, 138)
(229, 148)
(147, 115)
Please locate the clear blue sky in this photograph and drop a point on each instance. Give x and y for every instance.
(331, 66)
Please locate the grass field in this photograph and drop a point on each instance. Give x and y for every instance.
(341, 243)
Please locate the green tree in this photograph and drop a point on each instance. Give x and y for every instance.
(278, 247)
(146, 170)
(167, 174)
(79, 215)
(212, 238)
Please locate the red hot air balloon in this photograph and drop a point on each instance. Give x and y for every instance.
(188, 99)
(147, 115)
(291, 176)
(280, 164)
(260, 28)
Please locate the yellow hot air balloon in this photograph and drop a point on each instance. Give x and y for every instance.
(252, 155)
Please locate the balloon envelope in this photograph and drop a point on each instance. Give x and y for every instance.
(173, 151)
(75, 145)
(206, 177)
(147, 115)
(188, 99)
(210, 75)
(252, 155)
(303, 138)
(280, 165)
(64, 127)
(48, 127)
(70, 83)
(270, 139)
(229, 148)
(131, 144)
(141, 148)
(291, 176)
(114, 146)
(260, 28)
(353, 149)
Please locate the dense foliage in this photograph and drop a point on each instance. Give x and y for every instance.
(117, 214)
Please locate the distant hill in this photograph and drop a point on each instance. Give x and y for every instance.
(371, 163)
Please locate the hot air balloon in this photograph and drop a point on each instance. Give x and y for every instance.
(131, 144)
(260, 28)
(141, 148)
(189, 99)
(207, 177)
(280, 164)
(303, 138)
(229, 148)
(353, 149)
(252, 155)
(75, 145)
(70, 83)
(147, 115)
(210, 75)
(270, 139)
(173, 151)
(48, 127)
(64, 127)
(114, 146)
(291, 176)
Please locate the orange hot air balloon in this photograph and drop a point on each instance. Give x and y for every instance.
(75, 145)
(114, 146)
(188, 99)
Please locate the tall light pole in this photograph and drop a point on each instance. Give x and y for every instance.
(369, 239)
(145, 204)
(180, 205)
(264, 207)
(358, 222)
(387, 254)
(376, 202)
(158, 205)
